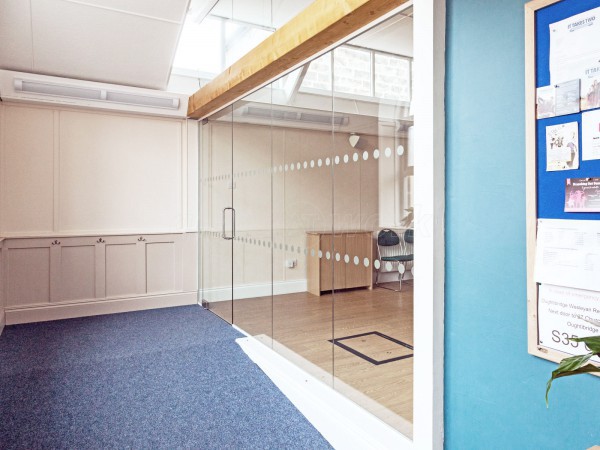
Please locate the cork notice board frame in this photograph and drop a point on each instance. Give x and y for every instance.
(545, 190)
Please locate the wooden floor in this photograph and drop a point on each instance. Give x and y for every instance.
(305, 324)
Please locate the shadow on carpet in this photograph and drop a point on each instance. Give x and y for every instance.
(170, 378)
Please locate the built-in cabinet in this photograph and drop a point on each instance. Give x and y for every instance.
(42, 273)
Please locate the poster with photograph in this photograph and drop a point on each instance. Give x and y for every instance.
(590, 135)
(575, 47)
(545, 102)
(582, 195)
(567, 98)
(562, 147)
(590, 92)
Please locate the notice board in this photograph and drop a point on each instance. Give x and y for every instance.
(563, 175)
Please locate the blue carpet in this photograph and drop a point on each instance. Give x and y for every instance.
(169, 378)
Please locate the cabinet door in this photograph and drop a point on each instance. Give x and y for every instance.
(333, 272)
(358, 245)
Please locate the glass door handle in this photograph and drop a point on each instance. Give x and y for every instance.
(224, 233)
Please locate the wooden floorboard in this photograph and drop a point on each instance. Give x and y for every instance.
(305, 324)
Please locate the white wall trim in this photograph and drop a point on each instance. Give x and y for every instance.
(245, 291)
(429, 188)
(342, 422)
(68, 311)
(2, 321)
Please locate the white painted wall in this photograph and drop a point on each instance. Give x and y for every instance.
(72, 172)
(98, 212)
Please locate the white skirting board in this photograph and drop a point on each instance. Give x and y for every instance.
(342, 422)
(254, 290)
(68, 311)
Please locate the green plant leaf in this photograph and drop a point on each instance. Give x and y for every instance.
(573, 365)
(593, 322)
(593, 342)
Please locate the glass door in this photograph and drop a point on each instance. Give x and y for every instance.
(217, 215)
(252, 192)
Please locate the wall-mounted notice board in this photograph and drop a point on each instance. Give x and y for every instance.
(562, 51)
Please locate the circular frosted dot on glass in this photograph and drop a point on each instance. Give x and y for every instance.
(365, 155)
(300, 250)
(400, 150)
(328, 255)
(366, 262)
(286, 247)
(355, 157)
(280, 246)
(346, 259)
(298, 166)
(327, 161)
(377, 264)
(286, 167)
(337, 159)
(305, 251)
(376, 154)
(346, 159)
(312, 252)
(388, 266)
(356, 260)
(305, 164)
(338, 257)
(292, 167)
(388, 152)
(320, 253)
(320, 162)
(312, 163)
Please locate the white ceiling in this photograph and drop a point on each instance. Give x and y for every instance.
(127, 42)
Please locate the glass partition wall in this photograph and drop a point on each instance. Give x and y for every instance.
(306, 218)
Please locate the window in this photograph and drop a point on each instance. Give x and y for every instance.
(361, 72)
(208, 48)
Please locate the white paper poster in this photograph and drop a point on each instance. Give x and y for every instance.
(590, 93)
(545, 102)
(567, 98)
(568, 253)
(563, 313)
(590, 135)
(562, 146)
(575, 47)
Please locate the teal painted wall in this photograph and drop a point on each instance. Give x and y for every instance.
(494, 390)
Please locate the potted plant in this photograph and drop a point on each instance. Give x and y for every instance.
(575, 365)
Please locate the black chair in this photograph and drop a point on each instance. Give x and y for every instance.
(394, 251)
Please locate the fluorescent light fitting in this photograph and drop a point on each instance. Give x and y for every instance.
(98, 94)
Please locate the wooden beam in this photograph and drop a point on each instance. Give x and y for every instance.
(319, 26)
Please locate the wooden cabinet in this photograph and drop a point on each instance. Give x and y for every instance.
(340, 260)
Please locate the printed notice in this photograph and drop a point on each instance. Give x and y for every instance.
(567, 98)
(562, 146)
(590, 135)
(563, 313)
(575, 47)
(568, 253)
(545, 102)
(590, 92)
(582, 195)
